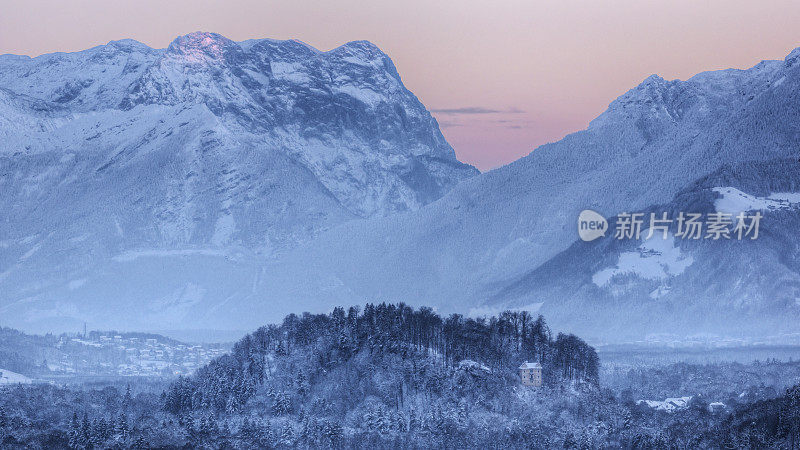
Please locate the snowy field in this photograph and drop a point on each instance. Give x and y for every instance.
(7, 377)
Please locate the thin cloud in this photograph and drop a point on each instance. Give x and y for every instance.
(472, 110)
(449, 124)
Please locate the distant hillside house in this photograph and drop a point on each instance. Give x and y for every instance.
(531, 374)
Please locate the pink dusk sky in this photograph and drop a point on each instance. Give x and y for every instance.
(501, 77)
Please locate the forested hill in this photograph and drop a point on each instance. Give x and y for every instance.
(394, 377)
(385, 354)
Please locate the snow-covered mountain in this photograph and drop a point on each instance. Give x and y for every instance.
(177, 232)
(662, 290)
(473, 249)
(208, 147)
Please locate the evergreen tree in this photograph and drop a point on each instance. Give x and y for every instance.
(127, 400)
(287, 436)
(74, 433)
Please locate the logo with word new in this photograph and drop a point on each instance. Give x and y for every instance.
(591, 225)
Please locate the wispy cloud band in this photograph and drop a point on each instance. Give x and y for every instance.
(471, 110)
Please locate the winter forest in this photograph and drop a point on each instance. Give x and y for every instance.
(394, 376)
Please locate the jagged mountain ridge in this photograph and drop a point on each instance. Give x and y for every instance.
(472, 250)
(469, 247)
(344, 114)
(208, 147)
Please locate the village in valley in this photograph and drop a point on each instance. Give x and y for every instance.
(126, 355)
(108, 354)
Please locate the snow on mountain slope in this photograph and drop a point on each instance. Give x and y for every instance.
(624, 290)
(181, 213)
(208, 149)
(654, 259)
(734, 201)
(463, 250)
(344, 114)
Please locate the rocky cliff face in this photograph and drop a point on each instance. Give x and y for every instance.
(229, 111)
(223, 185)
(208, 146)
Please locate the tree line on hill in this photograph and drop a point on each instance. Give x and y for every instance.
(499, 343)
(394, 376)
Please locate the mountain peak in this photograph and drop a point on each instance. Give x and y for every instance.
(792, 57)
(201, 46)
(654, 90)
(365, 50)
(654, 79)
(128, 44)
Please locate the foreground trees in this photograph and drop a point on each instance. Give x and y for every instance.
(392, 376)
